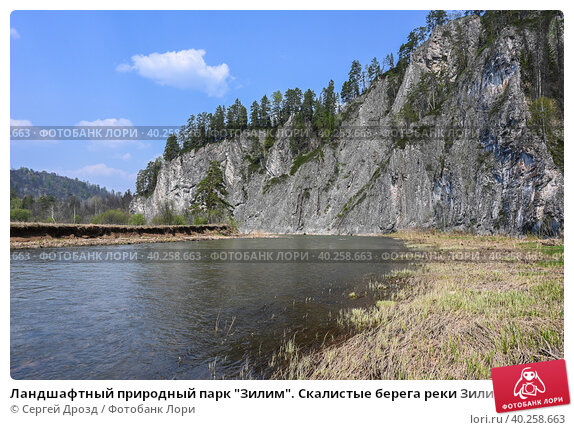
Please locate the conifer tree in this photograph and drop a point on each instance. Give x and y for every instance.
(390, 61)
(292, 102)
(307, 106)
(373, 70)
(209, 198)
(346, 93)
(436, 18)
(255, 115)
(171, 148)
(218, 123)
(276, 107)
(355, 79)
(264, 112)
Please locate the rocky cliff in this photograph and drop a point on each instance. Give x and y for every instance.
(466, 136)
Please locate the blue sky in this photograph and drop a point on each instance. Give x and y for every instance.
(158, 67)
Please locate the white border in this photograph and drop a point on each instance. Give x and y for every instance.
(289, 413)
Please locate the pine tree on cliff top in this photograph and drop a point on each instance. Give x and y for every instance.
(171, 148)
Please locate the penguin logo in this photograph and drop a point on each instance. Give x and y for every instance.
(529, 384)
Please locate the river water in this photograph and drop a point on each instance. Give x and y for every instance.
(183, 319)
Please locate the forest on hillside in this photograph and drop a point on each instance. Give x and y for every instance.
(48, 197)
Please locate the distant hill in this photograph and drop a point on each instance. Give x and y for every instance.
(28, 182)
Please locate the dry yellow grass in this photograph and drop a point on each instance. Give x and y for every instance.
(449, 320)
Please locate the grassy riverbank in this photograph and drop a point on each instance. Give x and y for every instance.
(449, 320)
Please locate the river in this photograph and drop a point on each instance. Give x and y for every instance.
(180, 318)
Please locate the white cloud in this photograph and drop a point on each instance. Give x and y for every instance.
(20, 123)
(125, 157)
(108, 122)
(100, 170)
(124, 67)
(14, 33)
(181, 69)
(103, 175)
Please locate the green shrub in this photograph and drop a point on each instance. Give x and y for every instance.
(171, 220)
(200, 220)
(111, 216)
(178, 220)
(408, 113)
(168, 216)
(20, 215)
(304, 158)
(137, 219)
(269, 140)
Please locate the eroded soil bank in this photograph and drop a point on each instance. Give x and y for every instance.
(44, 235)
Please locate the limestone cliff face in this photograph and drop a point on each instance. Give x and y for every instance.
(467, 157)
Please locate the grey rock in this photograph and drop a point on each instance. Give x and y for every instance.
(498, 176)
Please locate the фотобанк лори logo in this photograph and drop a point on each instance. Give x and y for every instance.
(529, 386)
